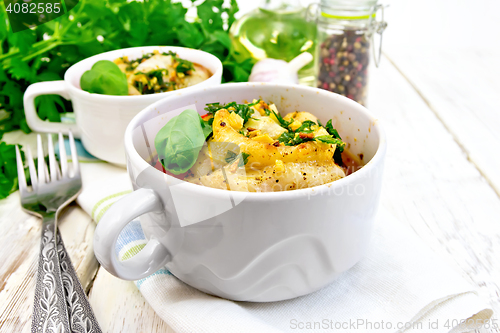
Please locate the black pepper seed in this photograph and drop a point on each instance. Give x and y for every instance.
(343, 64)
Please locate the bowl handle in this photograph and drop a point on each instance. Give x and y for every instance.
(151, 258)
(37, 124)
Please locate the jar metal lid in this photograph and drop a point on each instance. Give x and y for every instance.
(355, 11)
(347, 9)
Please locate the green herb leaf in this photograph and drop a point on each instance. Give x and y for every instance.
(286, 138)
(105, 78)
(48, 107)
(331, 130)
(291, 139)
(284, 123)
(184, 66)
(206, 126)
(337, 155)
(242, 110)
(331, 140)
(179, 142)
(8, 169)
(19, 69)
(223, 38)
(244, 159)
(306, 127)
(232, 156)
(213, 107)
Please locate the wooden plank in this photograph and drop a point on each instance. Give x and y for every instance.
(129, 311)
(442, 25)
(20, 239)
(432, 186)
(461, 88)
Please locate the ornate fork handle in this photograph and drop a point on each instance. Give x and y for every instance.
(60, 305)
(81, 317)
(50, 313)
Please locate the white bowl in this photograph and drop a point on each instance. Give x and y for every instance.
(248, 246)
(101, 120)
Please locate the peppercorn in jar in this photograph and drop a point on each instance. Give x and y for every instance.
(345, 30)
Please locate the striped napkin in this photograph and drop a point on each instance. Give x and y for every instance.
(400, 286)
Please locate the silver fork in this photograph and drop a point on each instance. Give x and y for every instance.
(60, 301)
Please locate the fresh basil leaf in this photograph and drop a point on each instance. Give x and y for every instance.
(179, 142)
(105, 78)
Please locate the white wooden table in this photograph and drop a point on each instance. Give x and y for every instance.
(440, 105)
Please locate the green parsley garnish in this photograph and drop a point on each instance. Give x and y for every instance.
(282, 121)
(232, 156)
(242, 110)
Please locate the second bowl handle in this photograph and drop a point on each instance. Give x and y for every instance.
(37, 124)
(151, 258)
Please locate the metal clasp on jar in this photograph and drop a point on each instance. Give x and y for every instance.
(377, 27)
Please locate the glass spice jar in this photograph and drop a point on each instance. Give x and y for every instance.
(345, 32)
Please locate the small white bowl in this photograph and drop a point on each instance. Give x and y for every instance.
(101, 120)
(248, 246)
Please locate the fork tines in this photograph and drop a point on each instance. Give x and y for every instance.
(51, 174)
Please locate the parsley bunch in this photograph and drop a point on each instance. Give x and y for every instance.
(95, 26)
(8, 170)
